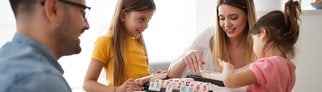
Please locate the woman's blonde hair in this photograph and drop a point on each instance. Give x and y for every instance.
(119, 34)
(220, 39)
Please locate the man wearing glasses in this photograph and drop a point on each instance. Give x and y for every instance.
(46, 31)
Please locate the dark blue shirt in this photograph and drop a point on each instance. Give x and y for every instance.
(27, 66)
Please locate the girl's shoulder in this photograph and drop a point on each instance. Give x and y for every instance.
(104, 38)
(104, 41)
(274, 61)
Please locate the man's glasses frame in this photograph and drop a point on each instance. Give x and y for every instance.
(86, 8)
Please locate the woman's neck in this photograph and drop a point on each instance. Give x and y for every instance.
(236, 52)
(235, 42)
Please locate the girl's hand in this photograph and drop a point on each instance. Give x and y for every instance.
(194, 61)
(129, 86)
(159, 72)
(226, 66)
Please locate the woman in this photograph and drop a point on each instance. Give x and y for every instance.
(230, 41)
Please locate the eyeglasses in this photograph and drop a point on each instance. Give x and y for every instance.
(86, 8)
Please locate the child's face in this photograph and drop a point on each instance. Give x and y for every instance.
(258, 45)
(232, 20)
(137, 21)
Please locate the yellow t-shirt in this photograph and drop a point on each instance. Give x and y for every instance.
(136, 65)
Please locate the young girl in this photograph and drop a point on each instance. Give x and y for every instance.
(274, 36)
(122, 52)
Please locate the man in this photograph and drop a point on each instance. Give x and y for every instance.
(46, 31)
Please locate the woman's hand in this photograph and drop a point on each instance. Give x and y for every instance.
(129, 86)
(194, 61)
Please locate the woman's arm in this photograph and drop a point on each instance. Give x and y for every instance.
(192, 60)
(193, 55)
(90, 81)
(176, 69)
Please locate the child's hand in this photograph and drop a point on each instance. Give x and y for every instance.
(129, 86)
(227, 67)
(159, 72)
(156, 74)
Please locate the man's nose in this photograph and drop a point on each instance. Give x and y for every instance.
(86, 25)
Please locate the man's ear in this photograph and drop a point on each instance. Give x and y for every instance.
(51, 9)
(263, 34)
(123, 15)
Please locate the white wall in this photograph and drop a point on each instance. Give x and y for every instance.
(205, 14)
(308, 59)
(7, 24)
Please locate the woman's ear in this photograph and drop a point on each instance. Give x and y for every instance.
(263, 34)
(123, 15)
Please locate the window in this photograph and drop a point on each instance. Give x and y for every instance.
(306, 4)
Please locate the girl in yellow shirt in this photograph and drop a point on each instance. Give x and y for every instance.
(122, 52)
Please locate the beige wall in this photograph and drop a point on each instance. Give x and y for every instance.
(309, 57)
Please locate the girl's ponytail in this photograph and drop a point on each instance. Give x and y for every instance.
(292, 13)
(291, 33)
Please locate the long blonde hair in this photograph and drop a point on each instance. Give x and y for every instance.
(220, 39)
(119, 34)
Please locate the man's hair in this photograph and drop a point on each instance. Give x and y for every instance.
(23, 6)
